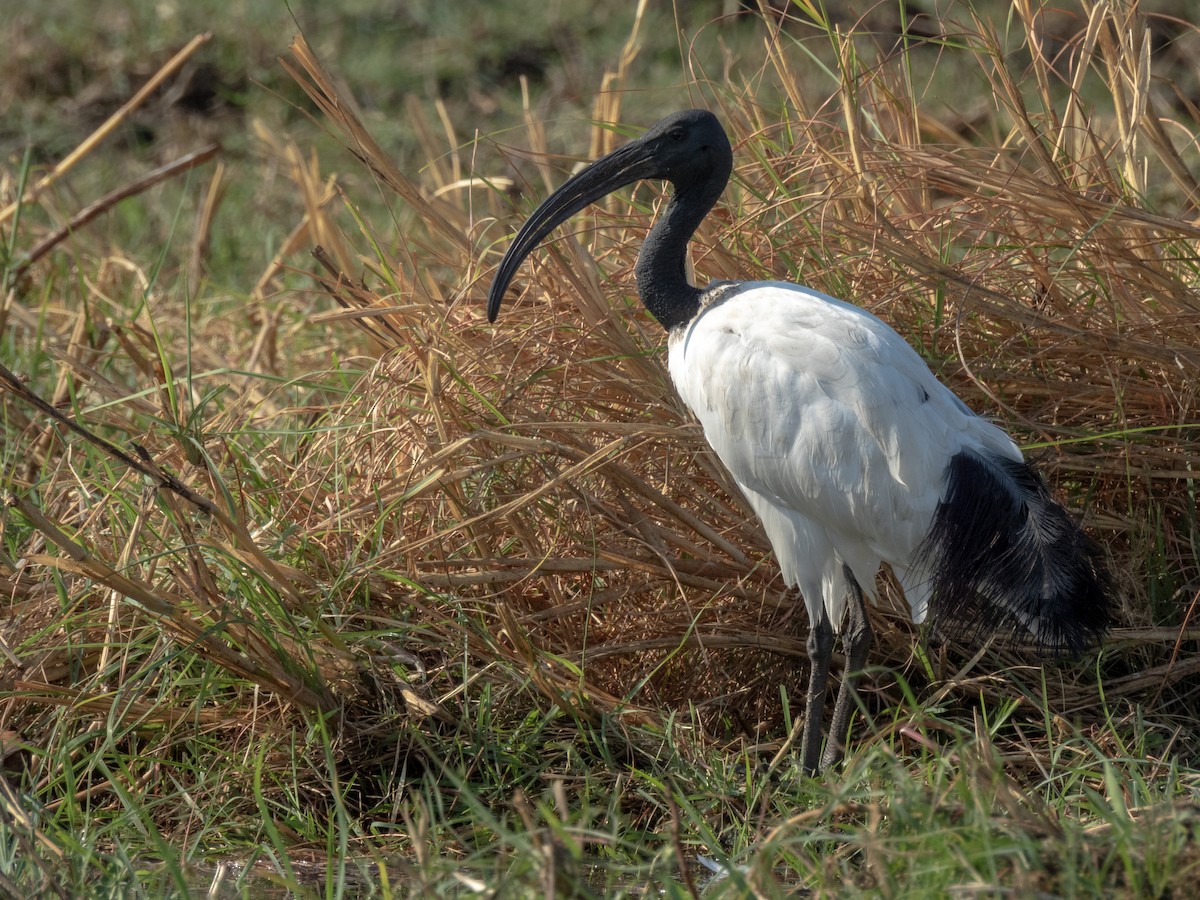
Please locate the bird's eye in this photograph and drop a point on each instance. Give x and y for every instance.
(676, 134)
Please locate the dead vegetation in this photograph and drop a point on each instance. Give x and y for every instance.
(560, 482)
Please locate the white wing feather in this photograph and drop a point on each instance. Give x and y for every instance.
(834, 428)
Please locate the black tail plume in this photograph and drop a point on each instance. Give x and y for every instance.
(1000, 549)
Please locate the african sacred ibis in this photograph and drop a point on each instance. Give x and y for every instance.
(846, 446)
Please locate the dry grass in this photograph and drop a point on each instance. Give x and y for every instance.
(530, 505)
(545, 471)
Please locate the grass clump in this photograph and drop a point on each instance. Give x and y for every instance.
(487, 612)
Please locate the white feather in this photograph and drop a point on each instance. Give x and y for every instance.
(832, 426)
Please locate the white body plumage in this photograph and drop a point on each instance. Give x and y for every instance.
(834, 428)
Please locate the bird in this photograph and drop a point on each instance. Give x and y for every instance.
(841, 439)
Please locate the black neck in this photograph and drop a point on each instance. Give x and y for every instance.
(662, 263)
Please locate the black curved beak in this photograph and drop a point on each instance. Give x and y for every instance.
(625, 165)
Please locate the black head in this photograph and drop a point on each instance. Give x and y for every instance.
(689, 149)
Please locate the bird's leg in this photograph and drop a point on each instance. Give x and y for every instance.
(820, 650)
(856, 643)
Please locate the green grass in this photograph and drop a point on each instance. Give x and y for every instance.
(432, 607)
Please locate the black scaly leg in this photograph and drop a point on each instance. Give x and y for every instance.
(820, 651)
(856, 644)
